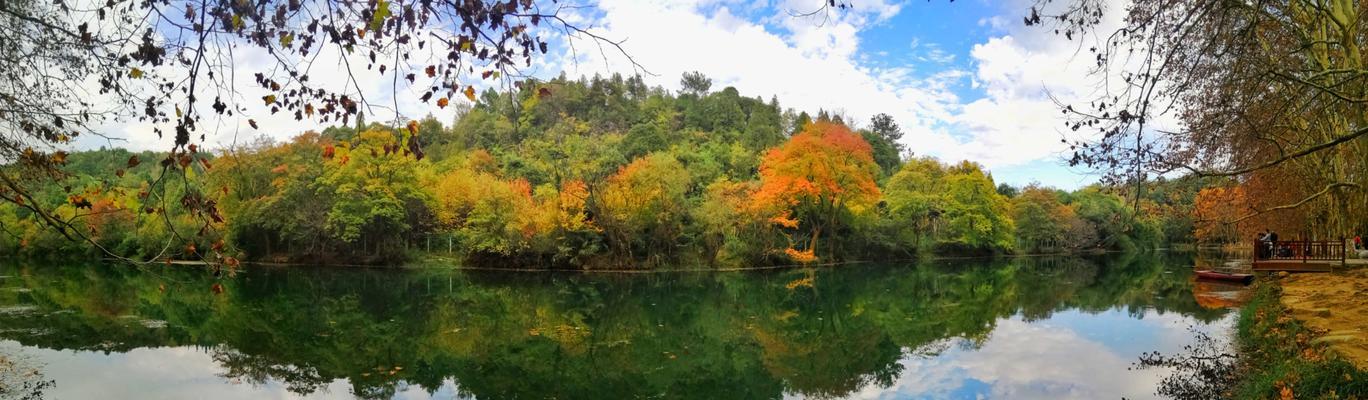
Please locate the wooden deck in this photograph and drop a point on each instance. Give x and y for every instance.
(1296, 265)
(1302, 256)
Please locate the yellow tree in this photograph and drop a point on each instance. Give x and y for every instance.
(643, 204)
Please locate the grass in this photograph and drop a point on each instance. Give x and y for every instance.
(1279, 361)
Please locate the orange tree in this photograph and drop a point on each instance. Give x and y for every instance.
(821, 180)
(1236, 213)
(1213, 209)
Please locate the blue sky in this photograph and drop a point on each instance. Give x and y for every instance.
(965, 79)
(943, 29)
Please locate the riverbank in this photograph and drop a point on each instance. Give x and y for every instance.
(1285, 356)
(444, 261)
(1333, 304)
(441, 260)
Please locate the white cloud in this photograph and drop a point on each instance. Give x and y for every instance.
(816, 62)
(176, 373)
(809, 64)
(1026, 73)
(1066, 356)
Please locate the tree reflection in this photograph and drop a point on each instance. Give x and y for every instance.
(817, 333)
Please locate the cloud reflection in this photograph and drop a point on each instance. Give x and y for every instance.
(173, 373)
(1062, 357)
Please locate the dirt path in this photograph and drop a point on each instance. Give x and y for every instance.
(1335, 305)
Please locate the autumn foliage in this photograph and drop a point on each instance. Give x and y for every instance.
(643, 205)
(591, 173)
(815, 182)
(1237, 212)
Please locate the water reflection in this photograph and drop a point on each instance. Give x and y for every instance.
(1024, 328)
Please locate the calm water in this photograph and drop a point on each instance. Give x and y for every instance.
(1025, 328)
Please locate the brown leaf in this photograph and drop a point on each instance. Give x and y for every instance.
(442, 102)
(79, 201)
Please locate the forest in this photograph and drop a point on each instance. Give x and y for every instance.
(587, 173)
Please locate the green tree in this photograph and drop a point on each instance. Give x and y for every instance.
(978, 218)
(695, 83)
(1042, 220)
(379, 194)
(915, 200)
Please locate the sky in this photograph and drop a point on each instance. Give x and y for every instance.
(964, 79)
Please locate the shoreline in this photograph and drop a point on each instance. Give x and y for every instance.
(418, 263)
(1281, 355)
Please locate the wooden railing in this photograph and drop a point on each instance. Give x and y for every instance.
(1299, 250)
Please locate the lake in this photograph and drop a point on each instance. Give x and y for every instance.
(1046, 328)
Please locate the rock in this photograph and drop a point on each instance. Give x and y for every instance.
(1283, 274)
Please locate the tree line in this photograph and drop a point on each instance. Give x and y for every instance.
(589, 173)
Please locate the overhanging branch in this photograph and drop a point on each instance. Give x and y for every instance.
(1325, 191)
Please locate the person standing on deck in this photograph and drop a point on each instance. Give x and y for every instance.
(1272, 240)
(1260, 249)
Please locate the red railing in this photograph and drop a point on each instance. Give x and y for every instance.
(1299, 250)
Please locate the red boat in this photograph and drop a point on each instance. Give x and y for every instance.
(1225, 276)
